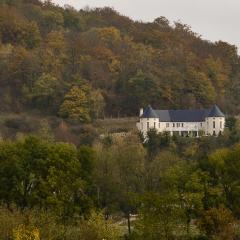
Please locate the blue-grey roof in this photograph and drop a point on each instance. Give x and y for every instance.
(182, 115)
(149, 113)
(215, 112)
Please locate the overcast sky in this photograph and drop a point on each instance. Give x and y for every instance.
(213, 19)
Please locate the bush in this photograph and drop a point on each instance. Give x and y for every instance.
(218, 224)
(22, 124)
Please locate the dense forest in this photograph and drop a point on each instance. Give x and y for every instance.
(68, 171)
(171, 188)
(93, 63)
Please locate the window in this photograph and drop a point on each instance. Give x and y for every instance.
(159, 125)
(167, 125)
(182, 125)
(201, 124)
(178, 124)
(154, 125)
(173, 124)
(220, 124)
(147, 125)
(214, 133)
(214, 124)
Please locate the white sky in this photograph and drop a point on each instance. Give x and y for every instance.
(213, 19)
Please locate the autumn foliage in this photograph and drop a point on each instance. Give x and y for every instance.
(46, 49)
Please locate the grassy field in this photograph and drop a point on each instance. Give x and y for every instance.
(12, 125)
(115, 125)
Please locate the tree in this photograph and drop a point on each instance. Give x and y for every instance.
(98, 228)
(45, 132)
(86, 156)
(46, 174)
(46, 90)
(186, 184)
(72, 20)
(162, 22)
(26, 233)
(51, 20)
(97, 104)
(141, 88)
(218, 74)
(53, 53)
(201, 87)
(22, 70)
(17, 30)
(76, 105)
(119, 174)
(224, 169)
(130, 171)
(155, 142)
(159, 218)
(218, 224)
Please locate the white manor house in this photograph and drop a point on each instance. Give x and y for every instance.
(182, 122)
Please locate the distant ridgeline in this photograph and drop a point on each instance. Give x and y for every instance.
(94, 63)
(182, 122)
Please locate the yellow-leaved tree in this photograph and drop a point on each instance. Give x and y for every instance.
(23, 232)
(76, 105)
(98, 228)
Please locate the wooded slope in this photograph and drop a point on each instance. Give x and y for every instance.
(95, 62)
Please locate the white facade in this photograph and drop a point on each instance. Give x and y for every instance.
(210, 126)
(214, 125)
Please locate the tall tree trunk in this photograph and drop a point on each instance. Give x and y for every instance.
(129, 223)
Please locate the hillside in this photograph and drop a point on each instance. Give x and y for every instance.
(95, 63)
(71, 164)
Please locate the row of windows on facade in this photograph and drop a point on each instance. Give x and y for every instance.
(178, 125)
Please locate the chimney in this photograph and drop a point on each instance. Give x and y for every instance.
(141, 112)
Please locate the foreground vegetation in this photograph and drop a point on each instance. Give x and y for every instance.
(176, 188)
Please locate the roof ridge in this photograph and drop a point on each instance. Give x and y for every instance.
(181, 115)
